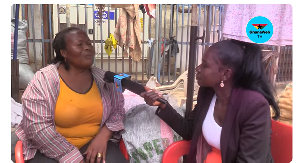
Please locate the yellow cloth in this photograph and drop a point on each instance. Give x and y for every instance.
(109, 42)
(78, 116)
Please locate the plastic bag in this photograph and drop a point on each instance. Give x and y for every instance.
(21, 47)
(146, 135)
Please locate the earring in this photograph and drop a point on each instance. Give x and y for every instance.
(222, 84)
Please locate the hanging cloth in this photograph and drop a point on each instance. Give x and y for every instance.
(128, 31)
(237, 17)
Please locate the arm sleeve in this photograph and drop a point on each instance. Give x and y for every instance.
(117, 114)
(182, 126)
(255, 134)
(39, 125)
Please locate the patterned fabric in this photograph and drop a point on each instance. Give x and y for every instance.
(128, 31)
(37, 128)
(237, 17)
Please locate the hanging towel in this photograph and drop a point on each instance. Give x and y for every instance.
(150, 9)
(237, 17)
(128, 32)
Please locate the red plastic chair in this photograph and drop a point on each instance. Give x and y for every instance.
(19, 151)
(281, 145)
(282, 142)
(174, 151)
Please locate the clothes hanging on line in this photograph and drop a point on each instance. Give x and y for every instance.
(237, 17)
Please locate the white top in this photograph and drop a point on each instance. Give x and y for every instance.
(210, 129)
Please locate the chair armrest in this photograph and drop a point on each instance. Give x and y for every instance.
(19, 152)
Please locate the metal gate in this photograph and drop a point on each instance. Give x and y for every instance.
(165, 39)
(172, 23)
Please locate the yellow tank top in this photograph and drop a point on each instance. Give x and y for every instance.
(78, 116)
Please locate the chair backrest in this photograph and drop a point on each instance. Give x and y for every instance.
(281, 145)
(282, 142)
(174, 151)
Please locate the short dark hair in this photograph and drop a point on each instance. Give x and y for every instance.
(246, 61)
(59, 43)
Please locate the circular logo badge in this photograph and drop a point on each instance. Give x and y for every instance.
(259, 29)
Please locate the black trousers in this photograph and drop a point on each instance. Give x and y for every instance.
(113, 153)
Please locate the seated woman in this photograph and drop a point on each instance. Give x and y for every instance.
(69, 112)
(231, 121)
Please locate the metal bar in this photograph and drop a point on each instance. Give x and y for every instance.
(108, 24)
(68, 15)
(198, 34)
(214, 28)
(50, 31)
(279, 65)
(86, 21)
(42, 32)
(58, 18)
(220, 18)
(94, 26)
(143, 49)
(101, 37)
(284, 61)
(23, 12)
(204, 29)
(33, 37)
(14, 11)
(159, 43)
(116, 50)
(27, 31)
(77, 7)
(102, 41)
(149, 57)
(123, 59)
(136, 67)
(170, 47)
(187, 39)
(182, 24)
(154, 61)
(163, 53)
(16, 32)
(175, 68)
(208, 27)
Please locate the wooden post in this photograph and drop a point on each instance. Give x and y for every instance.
(192, 60)
(15, 79)
(15, 61)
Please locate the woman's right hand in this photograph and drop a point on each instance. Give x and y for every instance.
(151, 97)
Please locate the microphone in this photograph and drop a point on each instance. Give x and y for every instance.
(122, 82)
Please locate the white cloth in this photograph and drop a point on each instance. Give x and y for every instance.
(16, 113)
(237, 16)
(210, 129)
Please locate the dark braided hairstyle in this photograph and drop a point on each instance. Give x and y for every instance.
(59, 43)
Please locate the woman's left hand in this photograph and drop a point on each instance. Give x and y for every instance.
(98, 145)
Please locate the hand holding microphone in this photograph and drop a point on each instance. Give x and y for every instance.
(152, 98)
